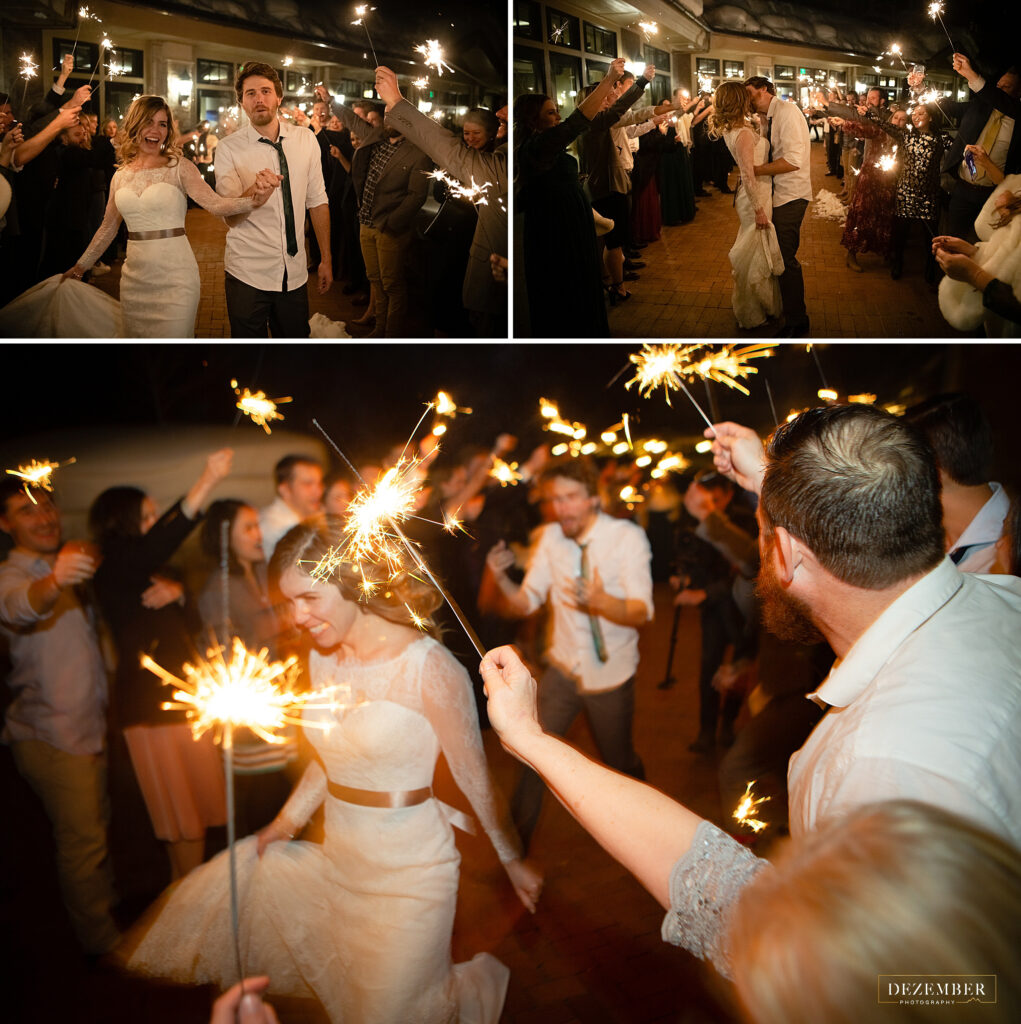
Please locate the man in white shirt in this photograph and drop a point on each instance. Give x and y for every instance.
(974, 507)
(924, 700)
(265, 258)
(595, 572)
(789, 165)
(299, 485)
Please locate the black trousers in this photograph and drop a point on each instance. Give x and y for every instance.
(252, 311)
(610, 714)
(787, 221)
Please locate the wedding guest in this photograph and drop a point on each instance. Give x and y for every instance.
(298, 480)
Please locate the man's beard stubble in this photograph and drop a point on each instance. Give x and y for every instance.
(785, 616)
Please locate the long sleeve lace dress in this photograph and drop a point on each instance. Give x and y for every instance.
(362, 922)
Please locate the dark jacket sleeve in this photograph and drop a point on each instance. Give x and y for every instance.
(999, 298)
(167, 534)
(996, 98)
(608, 118)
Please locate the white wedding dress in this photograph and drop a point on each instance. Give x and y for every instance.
(755, 259)
(362, 922)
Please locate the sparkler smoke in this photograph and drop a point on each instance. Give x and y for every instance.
(362, 10)
(37, 474)
(432, 56)
(261, 409)
(747, 810)
(384, 517)
(936, 12)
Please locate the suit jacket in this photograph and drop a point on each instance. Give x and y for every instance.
(480, 291)
(403, 185)
(597, 148)
(973, 119)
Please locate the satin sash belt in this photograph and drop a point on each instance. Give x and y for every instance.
(148, 236)
(376, 798)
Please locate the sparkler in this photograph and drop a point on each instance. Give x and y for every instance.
(362, 10)
(649, 28)
(84, 14)
(705, 83)
(421, 83)
(896, 51)
(888, 162)
(261, 409)
(558, 32)
(106, 43)
(473, 193)
(746, 811)
(506, 473)
(432, 56)
(667, 365)
(37, 474)
(445, 406)
(936, 12)
(28, 70)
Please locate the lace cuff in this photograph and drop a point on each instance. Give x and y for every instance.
(704, 886)
(306, 798)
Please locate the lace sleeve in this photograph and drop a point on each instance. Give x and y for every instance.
(107, 230)
(305, 798)
(704, 887)
(194, 184)
(744, 152)
(448, 703)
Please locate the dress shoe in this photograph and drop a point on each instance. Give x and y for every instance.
(639, 245)
(633, 264)
(617, 294)
(795, 330)
(630, 275)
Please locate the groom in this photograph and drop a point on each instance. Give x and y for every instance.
(265, 259)
(789, 167)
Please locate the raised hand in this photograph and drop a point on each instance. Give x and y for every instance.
(649, 73)
(500, 558)
(387, 87)
(73, 565)
(511, 693)
(616, 69)
(80, 96)
(738, 454)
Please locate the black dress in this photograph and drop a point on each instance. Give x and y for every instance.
(563, 274)
(676, 185)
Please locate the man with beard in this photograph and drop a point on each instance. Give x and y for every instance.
(389, 176)
(924, 701)
(595, 572)
(265, 259)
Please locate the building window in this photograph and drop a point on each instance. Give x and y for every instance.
(86, 55)
(125, 64)
(562, 29)
(595, 71)
(215, 72)
(527, 19)
(733, 69)
(658, 57)
(707, 66)
(528, 71)
(298, 82)
(565, 74)
(785, 72)
(659, 88)
(599, 40)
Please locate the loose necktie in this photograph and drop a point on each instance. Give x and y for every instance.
(593, 622)
(986, 141)
(285, 191)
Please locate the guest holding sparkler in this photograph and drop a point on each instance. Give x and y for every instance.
(181, 780)
(946, 893)
(377, 896)
(472, 165)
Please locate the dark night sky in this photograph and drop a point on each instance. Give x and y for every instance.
(370, 396)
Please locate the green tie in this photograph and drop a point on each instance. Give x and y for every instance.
(285, 189)
(597, 632)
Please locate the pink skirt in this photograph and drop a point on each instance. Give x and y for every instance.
(181, 779)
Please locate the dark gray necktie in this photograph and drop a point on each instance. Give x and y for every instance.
(594, 626)
(285, 190)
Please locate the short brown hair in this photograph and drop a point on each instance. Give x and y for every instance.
(579, 469)
(257, 67)
(761, 82)
(860, 487)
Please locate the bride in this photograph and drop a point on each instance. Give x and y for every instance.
(362, 922)
(755, 256)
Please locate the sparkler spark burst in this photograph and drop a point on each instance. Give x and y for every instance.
(421, 83)
(288, 61)
(446, 406)
(37, 474)
(935, 10)
(649, 28)
(432, 56)
(746, 811)
(506, 473)
(261, 409)
(668, 365)
(106, 43)
(888, 162)
(29, 68)
(475, 194)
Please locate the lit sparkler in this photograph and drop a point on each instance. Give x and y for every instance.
(362, 10)
(506, 473)
(256, 405)
(106, 43)
(432, 56)
(747, 810)
(557, 33)
(669, 364)
(28, 70)
(37, 474)
(649, 28)
(705, 83)
(473, 193)
(446, 406)
(889, 161)
(936, 13)
(421, 83)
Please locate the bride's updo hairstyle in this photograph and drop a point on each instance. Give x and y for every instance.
(136, 120)
(394, 600)
(732, 107)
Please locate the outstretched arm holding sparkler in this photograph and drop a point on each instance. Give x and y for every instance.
(66, 117)
(738, 454)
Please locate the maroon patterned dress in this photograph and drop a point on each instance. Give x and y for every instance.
(870, 215)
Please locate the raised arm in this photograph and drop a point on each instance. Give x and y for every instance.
(66, 117)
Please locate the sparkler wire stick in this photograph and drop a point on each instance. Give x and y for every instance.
(228, 756)
(419, 561)
(769, 395)
(363, 20)
(936, 11)
(815, 356)
(691, 398)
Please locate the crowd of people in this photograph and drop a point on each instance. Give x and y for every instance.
(917, 177)
(854, 535)
(341, 197)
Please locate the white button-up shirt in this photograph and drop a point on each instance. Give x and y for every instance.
(925, 706)
(274, 521)
(256, 251)
(620, 552)
(788, 138)
(982, 533)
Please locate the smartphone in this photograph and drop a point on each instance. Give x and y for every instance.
(969, 159)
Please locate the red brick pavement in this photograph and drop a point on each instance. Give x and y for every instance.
(685, 289)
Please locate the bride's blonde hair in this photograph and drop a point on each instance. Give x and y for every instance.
(732, 108)
(136, 120)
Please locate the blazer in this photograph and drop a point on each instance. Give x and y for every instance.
(597, 148)
(480, 291)
(973, 119)
(403, 185)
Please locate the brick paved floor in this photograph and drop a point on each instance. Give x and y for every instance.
(685, 289)
(591, 955)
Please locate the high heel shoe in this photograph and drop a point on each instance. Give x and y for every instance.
(617, 294)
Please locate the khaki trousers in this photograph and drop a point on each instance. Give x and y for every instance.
(384, 267)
